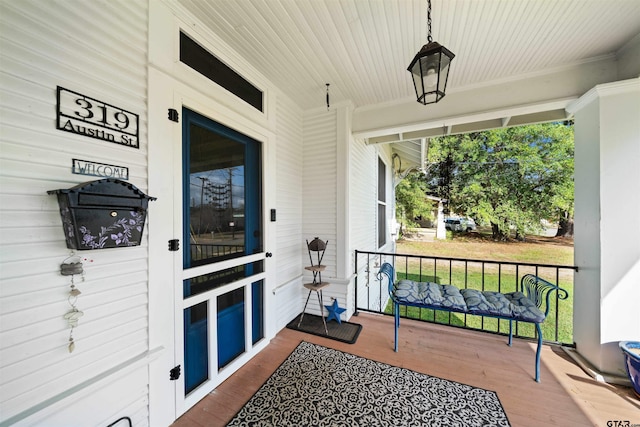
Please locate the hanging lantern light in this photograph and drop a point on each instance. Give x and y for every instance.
(430, 68)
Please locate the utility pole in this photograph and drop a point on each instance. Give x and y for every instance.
(204, 179)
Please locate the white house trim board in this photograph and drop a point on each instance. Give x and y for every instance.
(176, 96)
(343, 136)
(434, 126)
(162, 263)
(614, 88)
(169, 14)
(174, 85)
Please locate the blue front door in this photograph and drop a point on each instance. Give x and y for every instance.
(223, 257)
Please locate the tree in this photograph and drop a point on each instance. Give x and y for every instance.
(411, 201)
(511, 178)
(565, 226)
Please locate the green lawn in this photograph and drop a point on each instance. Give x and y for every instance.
(535, 251)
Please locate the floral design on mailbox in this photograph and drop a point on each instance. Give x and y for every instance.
(107, 213)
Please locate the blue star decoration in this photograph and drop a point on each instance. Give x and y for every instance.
(334, 311)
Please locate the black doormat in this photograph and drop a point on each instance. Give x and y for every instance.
(346, 331)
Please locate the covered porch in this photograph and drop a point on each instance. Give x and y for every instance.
(565, 396)
(337, 108)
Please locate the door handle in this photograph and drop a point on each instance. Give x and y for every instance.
(268, 254)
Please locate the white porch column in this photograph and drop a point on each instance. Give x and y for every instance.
(607, 222)
(441, 231)
(343, 142)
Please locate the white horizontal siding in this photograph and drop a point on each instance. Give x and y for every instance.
(97, 49)
(363, 210)
(288, 190)
(319, 181)
(65, 37)
(363, 196)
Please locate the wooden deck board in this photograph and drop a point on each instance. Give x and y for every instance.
(566, 396)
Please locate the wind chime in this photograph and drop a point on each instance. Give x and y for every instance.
(72, 266)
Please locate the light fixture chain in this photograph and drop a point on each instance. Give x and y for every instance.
(429, 38)
(430, 68)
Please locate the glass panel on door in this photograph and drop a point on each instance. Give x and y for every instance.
(222, 212)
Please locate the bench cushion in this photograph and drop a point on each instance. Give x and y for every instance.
(514, 305)
(427, 293)
(487, 303)
(524, 308)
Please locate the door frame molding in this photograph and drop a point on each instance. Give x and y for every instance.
(172, 84)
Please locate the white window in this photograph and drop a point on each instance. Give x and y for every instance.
(382, 203)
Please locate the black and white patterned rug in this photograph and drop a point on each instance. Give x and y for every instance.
(319, 386)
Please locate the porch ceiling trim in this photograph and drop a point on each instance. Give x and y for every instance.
(513, 116)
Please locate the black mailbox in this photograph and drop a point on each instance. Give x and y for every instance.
(107, 213)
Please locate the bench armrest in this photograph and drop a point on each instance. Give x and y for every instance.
(539, 291)
(386, 269)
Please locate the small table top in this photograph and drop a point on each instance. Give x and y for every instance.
(316, 286)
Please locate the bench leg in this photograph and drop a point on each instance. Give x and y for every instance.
(538, 351)
(510, 332)
(396, 325)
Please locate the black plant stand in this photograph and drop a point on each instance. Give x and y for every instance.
(317, 246)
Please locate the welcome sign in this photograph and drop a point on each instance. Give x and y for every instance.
(83, 115)
(85, 167)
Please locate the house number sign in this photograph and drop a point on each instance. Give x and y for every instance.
(83, 115)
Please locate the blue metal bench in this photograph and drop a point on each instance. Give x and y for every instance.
(525, 305)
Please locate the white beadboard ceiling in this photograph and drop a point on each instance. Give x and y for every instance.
(363, 47)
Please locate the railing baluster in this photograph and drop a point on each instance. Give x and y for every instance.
(517, 289)
(557, 307)
(380, 289)
(368, 281)
(435, 271)
(355, 261)
(499, 287)
(482, 317)
(466, 285)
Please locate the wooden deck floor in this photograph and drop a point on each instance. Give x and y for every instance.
(566, 396)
